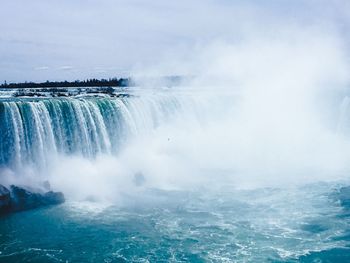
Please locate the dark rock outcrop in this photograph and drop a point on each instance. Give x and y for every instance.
(19, 199)
(5, 199)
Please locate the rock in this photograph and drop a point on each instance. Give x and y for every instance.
(23, 199)
(53, 198)
(5, 198)
(139, 179)
(19, 199)
(46, 185)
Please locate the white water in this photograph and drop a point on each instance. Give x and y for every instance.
(259, 113)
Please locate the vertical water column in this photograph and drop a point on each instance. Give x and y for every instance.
(34, 130)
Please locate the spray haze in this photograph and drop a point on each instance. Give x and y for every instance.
(232, 145)
(261, 112)
(265, 107)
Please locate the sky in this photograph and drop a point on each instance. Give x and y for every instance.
(76, 39)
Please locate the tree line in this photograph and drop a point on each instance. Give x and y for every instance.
(112, 82)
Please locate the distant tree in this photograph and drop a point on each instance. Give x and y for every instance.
(111, 82)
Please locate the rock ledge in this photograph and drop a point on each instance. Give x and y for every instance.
(18, 198)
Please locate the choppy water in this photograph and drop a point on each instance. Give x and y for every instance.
(304, 224)
(124, 149)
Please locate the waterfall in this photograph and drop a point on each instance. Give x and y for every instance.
(172, 134)
(33, 130)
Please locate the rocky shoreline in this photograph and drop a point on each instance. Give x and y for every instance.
(15, 198)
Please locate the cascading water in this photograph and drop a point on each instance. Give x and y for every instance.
(218, 131)
(176, 175)
(34, 130)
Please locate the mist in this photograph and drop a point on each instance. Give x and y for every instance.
(232, 145)
(263, 112)
(264, 107)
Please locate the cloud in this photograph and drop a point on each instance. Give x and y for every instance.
(41, 68)
(135, 34)
(66, 68)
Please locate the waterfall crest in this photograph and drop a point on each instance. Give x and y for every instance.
(32, 130)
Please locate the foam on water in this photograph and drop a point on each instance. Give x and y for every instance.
(245, 164)
(265, 225)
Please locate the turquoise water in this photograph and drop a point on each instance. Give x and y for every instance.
(306, 224)
(124, 149)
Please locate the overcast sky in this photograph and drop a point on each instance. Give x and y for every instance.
(76, 39)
